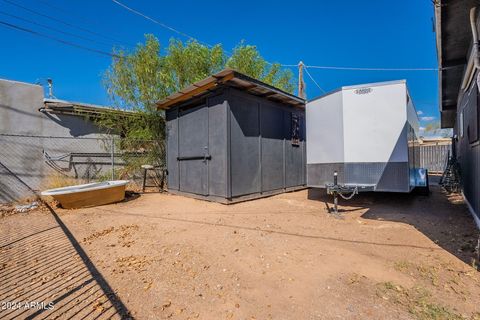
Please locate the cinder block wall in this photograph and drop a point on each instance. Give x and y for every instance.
(21, 158)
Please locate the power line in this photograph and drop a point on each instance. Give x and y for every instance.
(372, 69)
(180, 32)
(167, 26)
(51, 28)
(282, 65)
(68, 43)
(308, 74)
(159, 23)
(270, 63)
(60, 21)
(84, 18)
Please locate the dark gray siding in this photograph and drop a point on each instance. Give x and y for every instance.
(196, 131)
(217, 144)
(245, 145)
(172, 148)
(273, 135)
(193, 142)
(295, 156)
(468, 147)
(263, 157)
(249, 140)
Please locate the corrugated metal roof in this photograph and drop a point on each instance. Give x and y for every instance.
(232, 78)
(78, 108)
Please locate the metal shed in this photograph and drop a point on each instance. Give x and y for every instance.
(232, 138)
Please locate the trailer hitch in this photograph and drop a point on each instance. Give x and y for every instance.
(345, 192)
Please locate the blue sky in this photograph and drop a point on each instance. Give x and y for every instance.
(376, 33)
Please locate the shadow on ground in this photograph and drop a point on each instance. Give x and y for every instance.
(443, 218)
(46, 275)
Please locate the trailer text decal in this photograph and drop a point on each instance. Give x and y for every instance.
(363, 91)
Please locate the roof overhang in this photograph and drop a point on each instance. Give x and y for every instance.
(57, 106)
(231, 78)
(453, 37)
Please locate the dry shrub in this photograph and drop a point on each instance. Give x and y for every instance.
(59, 181)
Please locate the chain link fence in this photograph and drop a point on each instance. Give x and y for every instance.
(33, 163)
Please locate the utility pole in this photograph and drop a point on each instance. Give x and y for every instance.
(301, 84)
(50, 88)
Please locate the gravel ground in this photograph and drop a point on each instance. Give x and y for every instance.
(160, 256)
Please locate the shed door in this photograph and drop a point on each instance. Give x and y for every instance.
(193, 155)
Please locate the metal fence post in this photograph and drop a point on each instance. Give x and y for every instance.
(113, 158)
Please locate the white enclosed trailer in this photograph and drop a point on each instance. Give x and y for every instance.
(368, 134)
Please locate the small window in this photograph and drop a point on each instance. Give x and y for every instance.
(295, 129)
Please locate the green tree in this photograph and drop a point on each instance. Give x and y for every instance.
(247, 59)
(191, 62)
(433, 129)
(136, 80)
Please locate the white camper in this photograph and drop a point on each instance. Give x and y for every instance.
(368, 134)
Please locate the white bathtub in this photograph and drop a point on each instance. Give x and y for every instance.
(88, 195)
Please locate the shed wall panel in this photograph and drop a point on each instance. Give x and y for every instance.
(272, 149)
(294, 154)
(193, 142)
(217, 146)
(245, 145)
(172, 148)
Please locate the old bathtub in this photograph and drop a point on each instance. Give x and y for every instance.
(88, 195)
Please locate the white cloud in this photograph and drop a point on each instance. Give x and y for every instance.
(422, 128)
(419, 112)
(427, 118)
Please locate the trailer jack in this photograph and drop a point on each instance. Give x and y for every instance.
(345, 192)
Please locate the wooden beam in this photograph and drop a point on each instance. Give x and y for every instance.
(196, 91)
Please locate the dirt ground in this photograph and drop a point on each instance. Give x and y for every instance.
(160, 256)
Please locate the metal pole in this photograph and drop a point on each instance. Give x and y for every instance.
(335, 197)
(301, 84)
(50, 88)
(113, 158)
